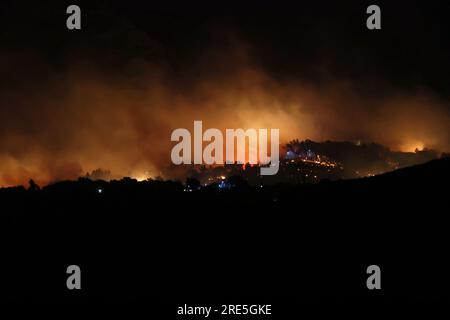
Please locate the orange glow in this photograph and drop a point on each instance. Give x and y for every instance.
(124, 126)
(412, 146)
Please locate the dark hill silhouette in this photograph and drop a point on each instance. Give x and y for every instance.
(310, 162)
(155, 239)
(359, 159)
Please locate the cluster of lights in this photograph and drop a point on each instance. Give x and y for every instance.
(320, 163)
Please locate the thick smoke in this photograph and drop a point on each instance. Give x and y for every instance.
(62, 122)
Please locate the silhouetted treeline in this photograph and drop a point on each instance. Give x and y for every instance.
(173, 239)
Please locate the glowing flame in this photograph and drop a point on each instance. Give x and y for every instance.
(412, 146)
(142, 176)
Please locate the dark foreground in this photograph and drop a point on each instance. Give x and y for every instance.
(296, 247)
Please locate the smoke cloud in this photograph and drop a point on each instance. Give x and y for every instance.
(60, 122)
